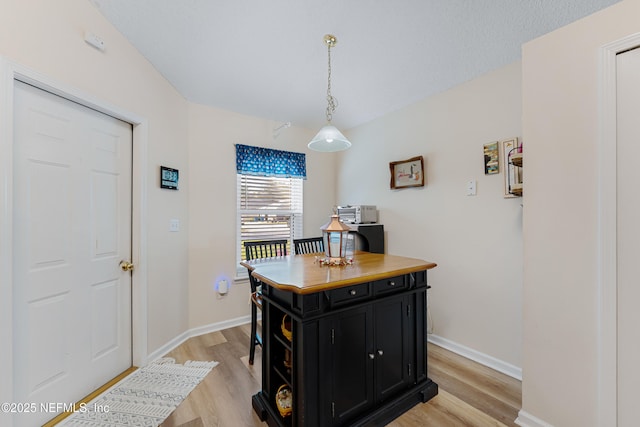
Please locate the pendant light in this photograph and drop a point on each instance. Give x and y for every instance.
(329, 138)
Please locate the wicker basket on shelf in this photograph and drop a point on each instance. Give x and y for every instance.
(284, 400)
(286, 327)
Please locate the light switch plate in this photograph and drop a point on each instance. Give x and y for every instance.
(174, 225)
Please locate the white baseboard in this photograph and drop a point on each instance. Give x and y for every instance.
(219, 326)
(476, 356)
(201, 330)
(527, 420)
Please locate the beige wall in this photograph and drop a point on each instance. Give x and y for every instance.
(48, 37)
(475, 240)
(477, 294)
(561, 266)
(212, 202)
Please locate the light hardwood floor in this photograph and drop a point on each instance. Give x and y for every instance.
(469, 394)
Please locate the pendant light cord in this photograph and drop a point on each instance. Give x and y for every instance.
(332, 102)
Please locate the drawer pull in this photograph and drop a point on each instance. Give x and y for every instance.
(392, 283)
(352, 292)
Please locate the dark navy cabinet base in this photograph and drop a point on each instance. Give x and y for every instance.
(357, 355)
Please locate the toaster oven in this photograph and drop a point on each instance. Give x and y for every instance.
(358, 214)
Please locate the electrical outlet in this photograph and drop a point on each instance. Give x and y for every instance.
(223, 287)
(471, 188)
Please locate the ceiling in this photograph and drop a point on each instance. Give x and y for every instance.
(268, 59)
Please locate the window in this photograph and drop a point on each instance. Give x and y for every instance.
(269, 196)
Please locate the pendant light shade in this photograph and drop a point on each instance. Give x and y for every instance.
(329, 138)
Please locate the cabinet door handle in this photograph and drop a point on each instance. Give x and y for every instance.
(352, 292)
(380, 352)
(372, 356)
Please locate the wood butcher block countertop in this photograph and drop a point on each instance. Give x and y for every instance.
(303, 274)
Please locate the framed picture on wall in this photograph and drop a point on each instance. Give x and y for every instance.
(491, 157)
(509, 170)
(407, 173)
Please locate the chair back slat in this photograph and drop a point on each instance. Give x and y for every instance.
(265, 249)
(310, 245)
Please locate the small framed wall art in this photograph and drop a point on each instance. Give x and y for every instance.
(491, 164)
(168, 178)
(407, 173)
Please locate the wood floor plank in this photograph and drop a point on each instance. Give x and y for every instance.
(445, 410)
(223, 398)
(490, 391)
(470, 395)
(499, 386)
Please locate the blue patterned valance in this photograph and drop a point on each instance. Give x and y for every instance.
(268, 162)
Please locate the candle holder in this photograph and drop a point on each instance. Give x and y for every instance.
(335, 236)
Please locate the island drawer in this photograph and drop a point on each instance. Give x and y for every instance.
(392, 284)
(348, 294)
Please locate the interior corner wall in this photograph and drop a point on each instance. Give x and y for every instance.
(213, 134)
(48, 38)
(476, 241)
(561, 104)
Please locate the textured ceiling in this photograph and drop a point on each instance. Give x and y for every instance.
(267, 58)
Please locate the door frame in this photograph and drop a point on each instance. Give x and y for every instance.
(9, 73)
(607, 216)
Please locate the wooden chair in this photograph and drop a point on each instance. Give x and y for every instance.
(256, 250)
(309, 245)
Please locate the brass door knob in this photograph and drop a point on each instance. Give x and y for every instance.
(126, 266)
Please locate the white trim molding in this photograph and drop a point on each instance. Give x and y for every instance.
(9, 73)
(6, 242)
(195, 332)
(607, 230)
(476, 356)
(525, 419)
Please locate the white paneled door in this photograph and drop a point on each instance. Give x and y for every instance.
(72, 229)
(628, 235)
